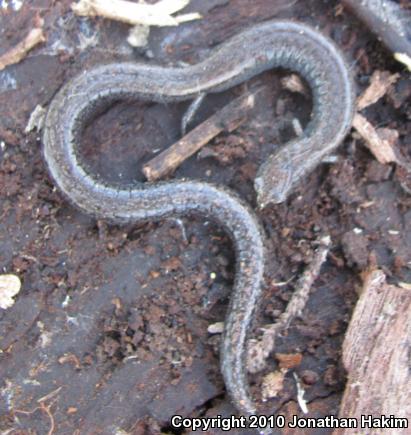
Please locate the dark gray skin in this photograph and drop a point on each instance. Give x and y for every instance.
(387, 20)
(262, 47)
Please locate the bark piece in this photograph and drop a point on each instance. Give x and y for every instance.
(376, 354)
(380, 83)
(19, 51)
(381, 142)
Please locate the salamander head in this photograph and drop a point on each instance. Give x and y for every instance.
(272, 183)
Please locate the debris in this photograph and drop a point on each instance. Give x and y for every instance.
(272, 384)
(293, 83)
(36, 119)
(190, 112)
(300, 395)
(216, 328)
(376, 352)
(381, 142)
(49, 395)
(309, 377)
(355, 247)
(19, 51)
(138, 35)
(158, 14)
(10, 285)
(289, 360)
(405, 285)
(45, 336)
(43, 408)
(228, 118)
(259, 350)
(71, 359)
(380, 83)
(403, 58)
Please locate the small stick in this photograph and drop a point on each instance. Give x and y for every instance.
(259, 350)
(228, 119)
(19, 51)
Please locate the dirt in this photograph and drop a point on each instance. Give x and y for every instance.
(109, 332)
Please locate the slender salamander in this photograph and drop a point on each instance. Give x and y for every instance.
(388, 20)
(264, 46)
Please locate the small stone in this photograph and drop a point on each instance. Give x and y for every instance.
(216, 328)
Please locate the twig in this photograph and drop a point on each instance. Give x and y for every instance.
(228, 118)
(19, 51)
(258, 351)
(49, 395)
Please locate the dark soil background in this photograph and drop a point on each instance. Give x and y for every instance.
(111, 321)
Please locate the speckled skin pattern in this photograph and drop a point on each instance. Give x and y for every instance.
(262, 47)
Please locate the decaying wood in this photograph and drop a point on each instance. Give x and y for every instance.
(228, 119)
(19, 51)
(380, 83)
(376, 354)
(381, 142)
(158, 14)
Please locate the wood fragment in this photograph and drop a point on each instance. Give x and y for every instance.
(376, 353)
(216, 328)
(158, 14)
(403, 58)
(272, 384)
(293, 83)
(381, 142)
(380, 83)
(19, 51)
(300, 394)
(288, 360)
(228, 119)
(10, 286)
(36, 119)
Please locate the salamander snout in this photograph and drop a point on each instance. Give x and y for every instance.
(273, 183)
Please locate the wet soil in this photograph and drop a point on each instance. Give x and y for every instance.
(109, 332)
